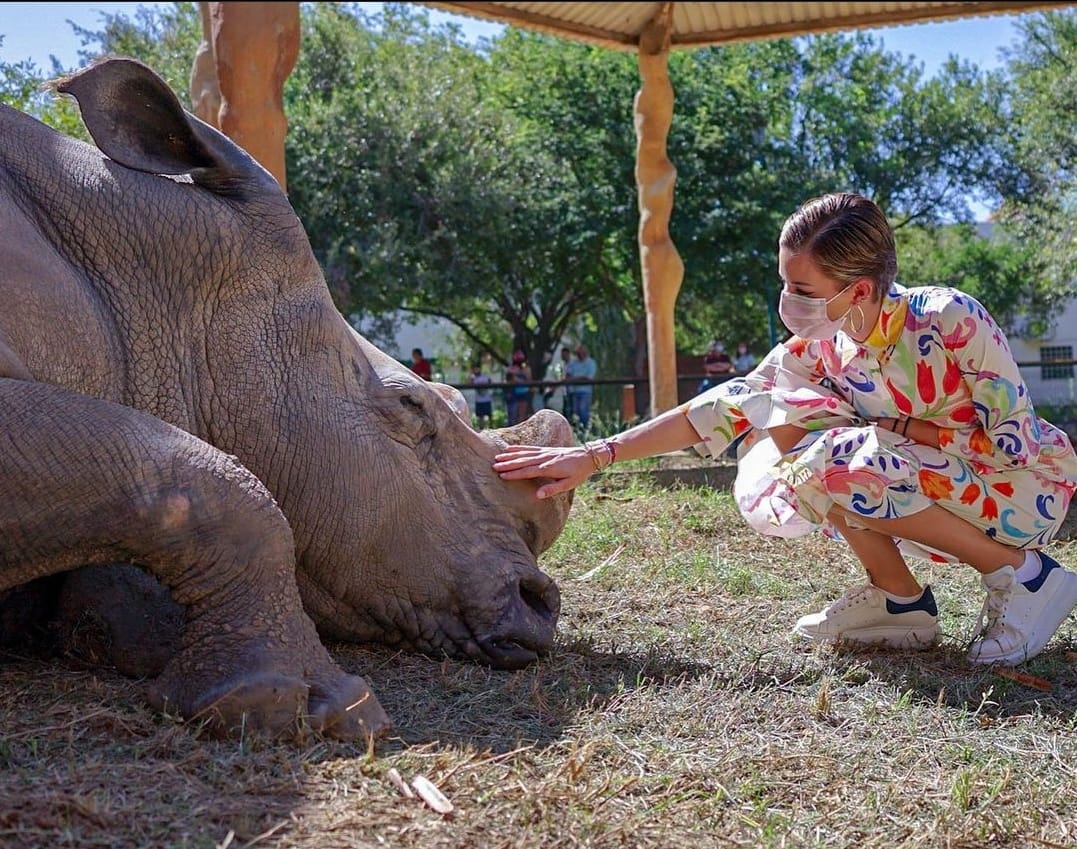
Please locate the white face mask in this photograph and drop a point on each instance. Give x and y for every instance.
(807, 318)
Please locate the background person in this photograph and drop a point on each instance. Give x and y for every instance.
(581, 370)
(923, 441)
(518, 396)
(715, 362)
(420, 364)
(484, 396)
(743, 359)
(556, 396)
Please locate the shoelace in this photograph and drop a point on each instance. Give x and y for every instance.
(994, 607)
(854, 595)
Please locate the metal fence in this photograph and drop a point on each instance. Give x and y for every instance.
(618, 401)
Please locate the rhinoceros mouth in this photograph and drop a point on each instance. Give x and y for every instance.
(509, 654)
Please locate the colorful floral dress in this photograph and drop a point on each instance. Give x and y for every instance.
(935, 354)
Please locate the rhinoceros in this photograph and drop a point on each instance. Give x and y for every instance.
(179, 393)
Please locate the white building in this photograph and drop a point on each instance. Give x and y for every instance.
(1050, 383)
(1047, 383)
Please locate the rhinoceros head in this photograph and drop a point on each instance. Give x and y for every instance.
(404, 535)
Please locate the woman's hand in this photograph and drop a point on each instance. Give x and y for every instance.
(568, 467)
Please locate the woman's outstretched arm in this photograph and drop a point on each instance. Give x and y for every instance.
(569, 467)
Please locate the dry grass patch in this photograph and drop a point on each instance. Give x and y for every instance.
(676, 711)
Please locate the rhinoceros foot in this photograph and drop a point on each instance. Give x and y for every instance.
(256, 699)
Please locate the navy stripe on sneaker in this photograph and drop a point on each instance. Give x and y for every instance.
(1049, 564)
(926, 602)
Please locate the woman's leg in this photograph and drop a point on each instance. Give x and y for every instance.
(1019, 617)
(942, 530)
(879, 555)
(893, 609)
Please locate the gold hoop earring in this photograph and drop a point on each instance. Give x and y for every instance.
(863, 319)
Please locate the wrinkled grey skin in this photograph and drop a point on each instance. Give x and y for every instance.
(178, 392)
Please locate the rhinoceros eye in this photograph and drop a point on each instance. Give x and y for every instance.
(412, 423)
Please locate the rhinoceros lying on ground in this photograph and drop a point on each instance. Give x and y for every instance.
(178, 392)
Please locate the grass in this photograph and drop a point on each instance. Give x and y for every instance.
(676, 711)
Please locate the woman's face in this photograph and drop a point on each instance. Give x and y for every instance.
(802, 276)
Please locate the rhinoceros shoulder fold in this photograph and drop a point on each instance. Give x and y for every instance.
(135, 119)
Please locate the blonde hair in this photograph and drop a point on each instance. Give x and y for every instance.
(847, 235)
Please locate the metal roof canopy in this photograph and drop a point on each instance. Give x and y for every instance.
(652, 30)
(619, 25)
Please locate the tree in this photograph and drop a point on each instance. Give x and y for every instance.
(1040, 207)
(992, 267)
(423, 192)
(759, 128)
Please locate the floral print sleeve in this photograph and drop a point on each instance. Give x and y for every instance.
(785, 388)
(994, 422)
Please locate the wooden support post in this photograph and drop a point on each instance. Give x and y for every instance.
(662, 268)
(237, 82)
(628, 402)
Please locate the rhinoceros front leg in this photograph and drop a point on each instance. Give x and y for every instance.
(85, 481)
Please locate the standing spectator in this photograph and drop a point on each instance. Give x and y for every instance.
(744, 360)
(715, 362)
(556, 395)
(420, 364)
(582, 370)
(484, 396)
(518, 396)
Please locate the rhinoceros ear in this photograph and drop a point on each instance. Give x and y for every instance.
(136, 120)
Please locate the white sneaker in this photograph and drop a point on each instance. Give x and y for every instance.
(1018, 619)
(865, 615)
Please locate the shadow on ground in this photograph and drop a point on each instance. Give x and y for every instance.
(456, 703)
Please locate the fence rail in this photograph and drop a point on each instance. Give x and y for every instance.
(542, 385)
(635, 391)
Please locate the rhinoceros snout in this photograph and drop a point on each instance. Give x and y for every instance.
(527, 627)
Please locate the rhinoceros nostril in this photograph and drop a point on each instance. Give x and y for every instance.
(541, 595)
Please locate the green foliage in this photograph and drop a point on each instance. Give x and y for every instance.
(866, 120)
(736, 182)
(23, 86)
(495, 186)
(995, 270)
(425, 191)
(1039, 182)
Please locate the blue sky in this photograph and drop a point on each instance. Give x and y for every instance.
(37, 30)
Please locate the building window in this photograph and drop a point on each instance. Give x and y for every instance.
(1056, 371)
